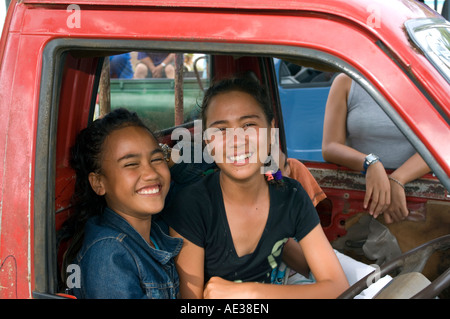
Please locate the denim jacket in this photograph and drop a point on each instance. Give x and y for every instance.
(116, 262)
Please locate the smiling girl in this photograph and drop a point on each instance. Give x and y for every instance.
(122, 180)
(235, 222)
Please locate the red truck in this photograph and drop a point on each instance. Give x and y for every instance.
(54, 79)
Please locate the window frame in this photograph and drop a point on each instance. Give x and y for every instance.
(44, 259)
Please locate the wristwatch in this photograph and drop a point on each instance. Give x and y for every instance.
(369, 160)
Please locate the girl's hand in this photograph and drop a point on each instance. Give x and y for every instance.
(378, 190)
(397, 210)
(218, 288)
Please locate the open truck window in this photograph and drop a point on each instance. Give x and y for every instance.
(55, 80)
(303, 94)
(83, 89)
(155, 100)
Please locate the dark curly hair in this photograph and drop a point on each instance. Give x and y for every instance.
(86, 158)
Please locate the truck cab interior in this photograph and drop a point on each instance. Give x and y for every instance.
(77, 87)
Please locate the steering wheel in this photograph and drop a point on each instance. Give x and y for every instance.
(409, 283)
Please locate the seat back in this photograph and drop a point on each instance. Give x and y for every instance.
(404, 286)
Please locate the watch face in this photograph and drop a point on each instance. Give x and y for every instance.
(371, 157)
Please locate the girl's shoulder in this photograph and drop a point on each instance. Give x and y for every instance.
(99, 237)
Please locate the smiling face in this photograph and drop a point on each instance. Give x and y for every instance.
(237, 134)
(134, 177)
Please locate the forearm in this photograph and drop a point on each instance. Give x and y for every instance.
(330, 278)
(414, 168)
(327, 289)
(169, 59)
(148, 62)
(344, 155)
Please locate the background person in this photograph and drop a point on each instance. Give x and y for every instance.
(155, 65)
(359, 135)
(120, 66)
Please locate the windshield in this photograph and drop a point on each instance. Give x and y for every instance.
(432, 36)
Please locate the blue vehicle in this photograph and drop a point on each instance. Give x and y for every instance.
(303, 95)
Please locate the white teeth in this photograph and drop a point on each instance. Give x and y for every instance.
(149, 191)
(240, 158)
